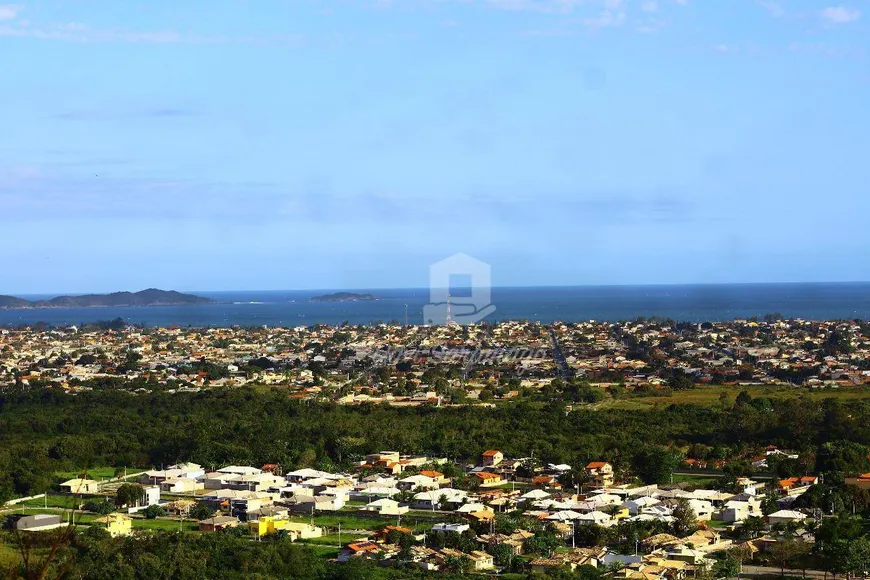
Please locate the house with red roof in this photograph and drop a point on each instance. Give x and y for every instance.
(601, 473)
(492, 457)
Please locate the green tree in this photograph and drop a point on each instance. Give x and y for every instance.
(153, 512)
(685, 519)
(656, 464)
(201, 511)
(130, 495)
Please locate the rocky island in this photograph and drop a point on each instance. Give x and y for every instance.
(150, 297)
(344, 297)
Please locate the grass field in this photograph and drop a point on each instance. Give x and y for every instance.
(165, 525)
(349, 521)
(332, 539)
(709, 396)
(97, 473)
(700, 481)
(54, 501)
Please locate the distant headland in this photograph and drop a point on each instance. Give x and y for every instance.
(150, 297)
(344, 297)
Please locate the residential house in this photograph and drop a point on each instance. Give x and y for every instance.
(303, 530)
(389, 461)
(385, 507)
(218, 523)
(569, 560)
(361, 549)
(436, 476)
(450, 527)
(181, 485)
(487, 479)
(636, 505)
(601, 473)
(481, 560)
(116, 524)
(548, 481)
(272, 511)
(492, 457)
(80, 486)
(418, 482)
(438, 499)
(738, 511)
(785, 517)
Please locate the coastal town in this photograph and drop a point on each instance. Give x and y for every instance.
(424, 365)
(493, 515)
(270, 437)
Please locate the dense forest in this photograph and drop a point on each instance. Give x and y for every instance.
(45, 430)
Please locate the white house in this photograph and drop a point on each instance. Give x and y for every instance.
(785, 517)
(738, 511)
(635, 506)
(446, 527)
(438, 498)
(181, 485)
(385, 507)
(598, 518)
(418, 481)
(79, 485)
(703, 509)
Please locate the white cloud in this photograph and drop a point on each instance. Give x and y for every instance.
(840, 14)
(9, 11)
(649, 6)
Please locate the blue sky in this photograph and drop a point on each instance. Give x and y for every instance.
(280, 144)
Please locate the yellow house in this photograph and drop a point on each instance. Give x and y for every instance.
(267, 525)
(620, 514)
(117, 524)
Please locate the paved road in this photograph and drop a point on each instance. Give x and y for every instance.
(566, 373)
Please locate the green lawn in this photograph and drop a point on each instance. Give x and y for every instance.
(332, 539)
(700, 481)
(54, 501)
(708, 396)
(349, 521)
(97, 473)
(165, 525)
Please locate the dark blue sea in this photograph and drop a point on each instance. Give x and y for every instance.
(695, 303)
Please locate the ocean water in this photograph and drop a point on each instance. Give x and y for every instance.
(697, 303)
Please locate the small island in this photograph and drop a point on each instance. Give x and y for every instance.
(344, 297)
(150, 297)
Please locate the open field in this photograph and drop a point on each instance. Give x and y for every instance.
(58, 501)
(332, 539)
(709, 396)
(701, 480)
(97, 473)
(349, 521)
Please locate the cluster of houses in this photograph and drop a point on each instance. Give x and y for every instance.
(388, 484)
(315, 362)
(767, 351)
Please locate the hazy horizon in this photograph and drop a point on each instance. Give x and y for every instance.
(42, 295)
